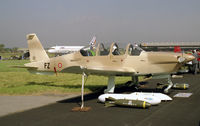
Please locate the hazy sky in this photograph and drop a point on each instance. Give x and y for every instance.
(75, 22)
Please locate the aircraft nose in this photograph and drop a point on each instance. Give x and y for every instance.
(50, 50)
(185, 58)
(102, 98)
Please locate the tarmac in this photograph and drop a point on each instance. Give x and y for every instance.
(14, 104)
(179, 112)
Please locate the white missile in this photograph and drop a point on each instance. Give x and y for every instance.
(161, 96)
(153, 100)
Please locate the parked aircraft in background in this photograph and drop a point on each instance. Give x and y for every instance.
(69, 49)
(135, 62)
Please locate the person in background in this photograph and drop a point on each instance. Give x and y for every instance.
(198, 59)
(195, 62)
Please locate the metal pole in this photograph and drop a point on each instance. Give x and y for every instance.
(82, 90)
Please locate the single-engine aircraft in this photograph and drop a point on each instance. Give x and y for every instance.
(135, 62)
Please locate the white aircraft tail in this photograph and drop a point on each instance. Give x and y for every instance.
(93, 42)
(37, 52)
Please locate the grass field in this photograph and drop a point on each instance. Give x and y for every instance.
(8, 55)
(16, 81)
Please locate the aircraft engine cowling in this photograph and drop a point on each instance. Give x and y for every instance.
(185, 58)
(181, 59)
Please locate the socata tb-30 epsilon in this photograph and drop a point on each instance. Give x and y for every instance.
(135, 62)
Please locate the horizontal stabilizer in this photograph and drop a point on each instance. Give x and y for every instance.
(26, 67)
(36, 50)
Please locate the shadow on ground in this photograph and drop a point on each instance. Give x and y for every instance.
(120, 88)
(92, 88)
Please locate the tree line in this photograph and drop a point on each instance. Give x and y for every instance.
(7, 50)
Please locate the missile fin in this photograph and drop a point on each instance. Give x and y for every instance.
(144, 104)
(108, 104)
(110, 99)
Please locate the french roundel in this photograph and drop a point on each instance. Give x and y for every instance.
(59, 65)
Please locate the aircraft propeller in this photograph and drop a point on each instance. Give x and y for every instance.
(181, 58)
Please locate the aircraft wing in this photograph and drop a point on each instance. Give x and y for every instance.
(105, 71)
(110, 70)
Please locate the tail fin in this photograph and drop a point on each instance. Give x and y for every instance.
(110, 99)
(37, 52)
(93, 42)
(109, 104)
